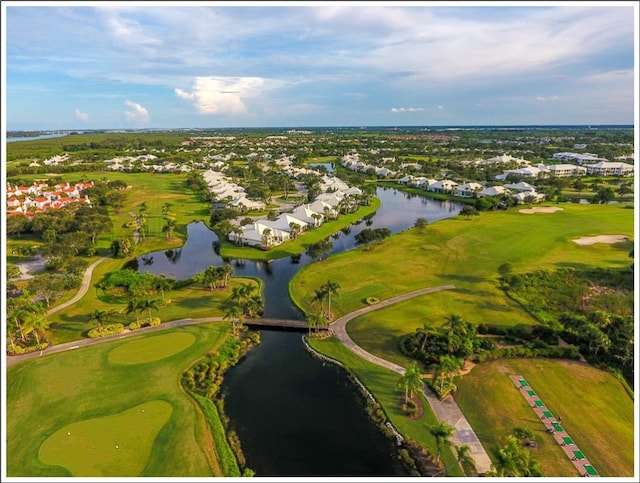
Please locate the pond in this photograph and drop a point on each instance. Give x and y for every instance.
(296, 415)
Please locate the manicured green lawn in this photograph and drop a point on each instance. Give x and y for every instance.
(596, 411)
(97, 395)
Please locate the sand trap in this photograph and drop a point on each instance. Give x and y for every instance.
(590, 240)
(542, 209)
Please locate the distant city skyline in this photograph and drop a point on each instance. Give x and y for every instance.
(130, 65)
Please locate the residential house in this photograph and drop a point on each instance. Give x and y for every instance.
(468, 190)
(607, 168)
(443, 186)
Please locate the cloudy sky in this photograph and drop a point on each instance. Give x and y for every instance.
(210, 64)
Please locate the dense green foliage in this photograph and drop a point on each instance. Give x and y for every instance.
(592, 309)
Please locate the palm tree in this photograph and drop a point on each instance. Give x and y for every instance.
(410, 381)
(314, 320)
(234, 315)
(162, 283)
(226, 271)
(320, 295)
(19, 317)
(253, 305)
(133, 306)
(38, 320)
(463, 458)
(101, 316)
(166, 208)
(442, 432)
(330, 288)
(267, 239)
(448, 368)
(426, 329)
(294, 230)
(169, 227)
(149, 304)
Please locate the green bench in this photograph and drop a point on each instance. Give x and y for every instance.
(590, 470)
(577, 455)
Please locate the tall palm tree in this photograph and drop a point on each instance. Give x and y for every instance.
(38, 320)
(411, 381)
(320, 295)
(100, 316)
(133, 307)
(149, 304)
(267, 239)
(448, 368)
(168, 227)
(426, 329)
(226, 270)
(463, 458)
(19, 317)
(166, 208)
(314, 319)
(233, 314)
(331, 288)
(442, 432)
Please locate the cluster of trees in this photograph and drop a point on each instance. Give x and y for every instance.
(320, 318)
(214, 277)
(244, 302)
(445, 353)
(70, 231)
(368, 236)
(591, 309)
(27, 323)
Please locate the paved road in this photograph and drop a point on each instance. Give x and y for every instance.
(446, 410)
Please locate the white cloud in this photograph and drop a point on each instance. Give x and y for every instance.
(222, 95)
(547, 98)
(82, 116)
(407, 109)
(137, 115)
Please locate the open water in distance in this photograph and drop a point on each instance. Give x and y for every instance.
(294, 414)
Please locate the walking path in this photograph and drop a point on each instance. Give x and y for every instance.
(553, 426)
(446, 410)
(84, 286)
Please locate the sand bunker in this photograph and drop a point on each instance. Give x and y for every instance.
(590, 240)
(541, 209)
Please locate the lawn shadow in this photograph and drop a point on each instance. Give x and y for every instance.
(462, 278)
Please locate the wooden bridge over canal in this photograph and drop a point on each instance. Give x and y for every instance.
(281, 324)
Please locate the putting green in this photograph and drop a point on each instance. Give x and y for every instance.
(149, 349)
(114, 445)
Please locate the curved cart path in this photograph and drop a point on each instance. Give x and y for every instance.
(446, 410)
(84, 287)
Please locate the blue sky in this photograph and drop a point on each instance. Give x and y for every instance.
(82, 65)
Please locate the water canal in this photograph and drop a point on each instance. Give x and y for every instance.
(296, 415)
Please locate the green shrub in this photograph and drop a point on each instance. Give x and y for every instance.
(106, 330)
(134, 326)
(372, 300)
